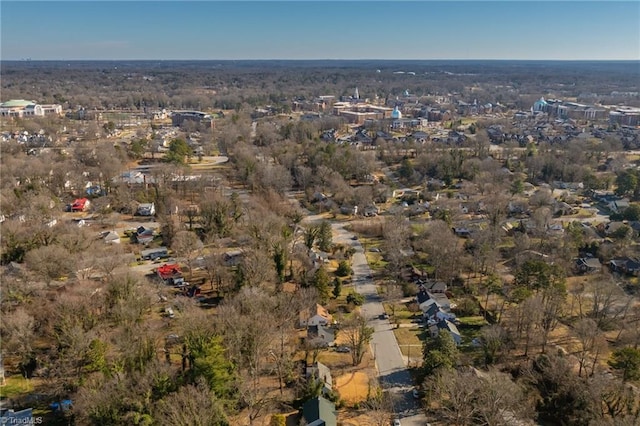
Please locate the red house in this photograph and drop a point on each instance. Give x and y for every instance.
(80, 205)
(170, 273)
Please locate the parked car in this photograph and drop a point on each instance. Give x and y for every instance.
(343, 349)
(396, 422)
(384, 316)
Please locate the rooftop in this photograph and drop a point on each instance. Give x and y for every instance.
(16, 103)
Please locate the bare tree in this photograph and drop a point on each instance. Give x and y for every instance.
(49, 262)
(247, 324)
(357, 334)
(191, 404)
(392, 294)
(380, 404)
(528, 316)
(587, 333)
(441, 245)
(18, 329)
(396, 233)
(609, 302)
(187, 246)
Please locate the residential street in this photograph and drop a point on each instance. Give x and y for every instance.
(390, 363)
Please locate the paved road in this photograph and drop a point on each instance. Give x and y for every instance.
(390, 362)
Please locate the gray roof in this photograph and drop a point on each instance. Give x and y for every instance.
(319, 333)
(319, 412)
(322, 372)
(451, 328)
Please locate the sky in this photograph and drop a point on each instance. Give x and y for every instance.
(555, 30)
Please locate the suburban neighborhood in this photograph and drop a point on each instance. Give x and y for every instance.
(410, 245)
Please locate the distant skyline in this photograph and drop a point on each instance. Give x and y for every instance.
(523, 30)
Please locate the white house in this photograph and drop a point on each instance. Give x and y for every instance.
(146, 209)
(320, 316)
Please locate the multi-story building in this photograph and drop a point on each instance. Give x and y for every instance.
(21, 108)
(625, 116)
(179, 117)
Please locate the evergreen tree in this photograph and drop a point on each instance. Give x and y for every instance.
(325, 238)
(337, 288)
(440, 352)
(179, 151)
(321, 281)
(628, 361)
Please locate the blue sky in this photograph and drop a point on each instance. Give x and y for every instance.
(320, 30)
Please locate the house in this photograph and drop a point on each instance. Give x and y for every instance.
(612, 227)
(143, 235)
(442, 300)
(429, 309)
(588, 265)
(233, 257)
(434, 306)
(435, 287)
(319, 316)
(319, 371)
(320, 336)
(422, 295)
(370, 211)
(556, 228)
(563, 209)
(462, 232)
(146, 209)
(618, 205)
(625, 265)
(451, 328)
(110, 237)
(319, 412)
(319, 257)
(80, 205)
(170, 273)
(420, 136)
(154, 253)
(95, 190)
(349, 210)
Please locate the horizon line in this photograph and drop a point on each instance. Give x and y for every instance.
(321, 59)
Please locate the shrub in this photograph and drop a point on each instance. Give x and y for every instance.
(467, 307)
(355, 298)
(278, 420)
(343, 269)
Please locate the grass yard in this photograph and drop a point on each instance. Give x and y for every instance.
(470, 327)
(16, 386)
(410, 341)
(353, 387)
(402, 314)
(334, 359)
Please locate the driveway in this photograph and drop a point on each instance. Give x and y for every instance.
(390, 362)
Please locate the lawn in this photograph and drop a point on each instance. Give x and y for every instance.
(402, 314)
(410, 341)
(470, 327)
(353, 387)
(16, 386)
